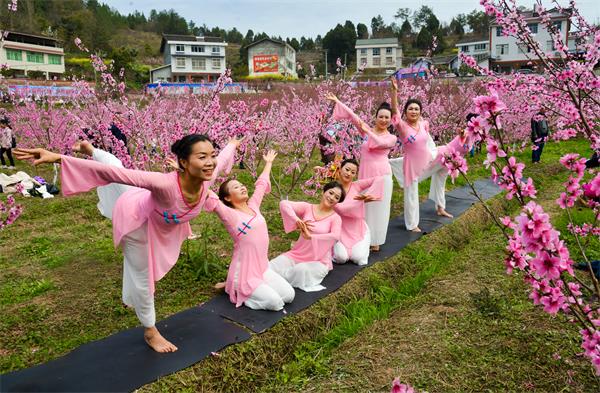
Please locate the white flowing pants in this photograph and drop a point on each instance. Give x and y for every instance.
(272, 294)
(304, 275)
(360, 251)
(377, 213)
(437, 193)
(136, 288)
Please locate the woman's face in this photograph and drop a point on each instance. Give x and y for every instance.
(238, 192)
(383, 119)
(202, 161)
(348, 172)
(331, 197)
(413, 112)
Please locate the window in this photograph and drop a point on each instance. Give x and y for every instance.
(498, 31)
(524, 48)
(289, 64)
(198, 64)
(376, 61)
(54, 59)
(481, 57)
(363, 61)
(533, 27)
(216, 49)
(464, 48)
(35, 57)
(363, 51)
(502, 49)
(197, 49)
(180, 48)
(557, 25)
(216, 63)
(12, 54)
(388, 51)
(389, 60)
(376, 51)
(180, 62)
(182, 78)
(480, 46)
(550, 46)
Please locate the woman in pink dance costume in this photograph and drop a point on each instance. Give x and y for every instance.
(355, 238)
(374, 162)
(151, 218)
(310, 258)
(250, 281)
(419, 161)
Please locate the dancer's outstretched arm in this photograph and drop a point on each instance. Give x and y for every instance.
(263, 183)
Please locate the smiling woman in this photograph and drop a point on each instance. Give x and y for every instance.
(309, 260)
(150, 211)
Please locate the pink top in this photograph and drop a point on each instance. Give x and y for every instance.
(455, 144)
(250, 237)
(157, 200)
(374, 151)
(352, 211)
(325, 232)
(417, 154)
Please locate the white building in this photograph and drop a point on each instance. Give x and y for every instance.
(27, 52)
(506, 55)
(478, 48)
(269, 56)
(378, 53)
(190, 59)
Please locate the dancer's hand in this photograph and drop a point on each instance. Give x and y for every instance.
(394, 85)
(236, 140)
(173, 163)
(270, 156)
(305, 228)
(38, 155)
(365, 198)
(332, 97)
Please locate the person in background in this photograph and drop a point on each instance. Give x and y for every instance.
(539, 134)
(7, 142)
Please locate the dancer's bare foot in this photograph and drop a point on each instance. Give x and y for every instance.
(417, 229)
(219, 285)
(83, 147)
(444, 213)
(374, 248)
(157, 342)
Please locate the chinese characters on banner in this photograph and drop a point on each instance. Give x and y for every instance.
(266, 63)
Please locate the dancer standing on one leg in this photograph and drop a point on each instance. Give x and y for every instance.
(374, 157)
(418, 161)
(309, 260)
(250, 281)
(355, 238)
(150, 219)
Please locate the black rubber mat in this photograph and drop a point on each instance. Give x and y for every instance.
(123, 362)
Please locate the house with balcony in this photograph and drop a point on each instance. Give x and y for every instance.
(26, 53)
(190, 59)
(383, 53)
(507, 55)
(476, 47)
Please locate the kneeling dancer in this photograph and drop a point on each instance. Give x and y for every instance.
(150, 219)
(356, 237)
(310, 258)
(250, 281)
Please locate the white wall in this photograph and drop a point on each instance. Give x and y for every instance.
(188, 55)
(396, 56)
(30, 66)
(514, 52)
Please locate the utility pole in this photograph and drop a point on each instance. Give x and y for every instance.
(326, 63)
(345, 64)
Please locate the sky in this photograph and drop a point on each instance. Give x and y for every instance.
(309, 18)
